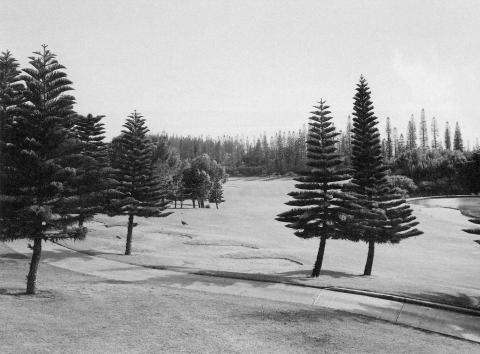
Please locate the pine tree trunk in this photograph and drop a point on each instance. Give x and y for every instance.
(216, 204)
(128, 248)
(32, 274)
(80, 221)
(369, 264)
(193, 202)
(319, 261)
(175, 203)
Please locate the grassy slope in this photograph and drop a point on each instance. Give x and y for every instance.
(243, 236)
(76, 313)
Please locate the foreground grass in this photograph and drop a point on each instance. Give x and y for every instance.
(76, 313)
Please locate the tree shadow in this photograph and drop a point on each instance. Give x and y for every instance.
(20, 293)
(329, 273)
(13, 255)
(459, 299)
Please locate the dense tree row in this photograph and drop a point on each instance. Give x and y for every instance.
(432, 160)
(281, 153)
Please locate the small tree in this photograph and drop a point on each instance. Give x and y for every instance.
(138, 182)
(216, 193)
(37, 187)
(381, 214)
(318, 198)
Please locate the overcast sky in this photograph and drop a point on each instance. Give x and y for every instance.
(244, 67)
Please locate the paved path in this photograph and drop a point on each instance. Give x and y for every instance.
(465, 326)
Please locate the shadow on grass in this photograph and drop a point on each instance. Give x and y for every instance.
(13, 256)
(16, 292)
(314, 315)
(329, 273)
(459, 299)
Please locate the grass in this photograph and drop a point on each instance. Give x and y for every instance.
(76, 313)
(242, 236)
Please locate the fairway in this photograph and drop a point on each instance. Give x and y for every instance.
(243, 236)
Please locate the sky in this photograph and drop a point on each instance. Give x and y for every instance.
(204, 67)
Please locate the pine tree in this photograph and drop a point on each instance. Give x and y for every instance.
(448, 137)
(395, 142)
(11, 95)
(435, 134)
(411, 134)
(401, 144)
(348, 141)
(216, 193)
(457, 138)
(382, 215)
(423, 131)
(318, 198)
(95, 178)
(37, 188)
(137, 180)
(388, 141)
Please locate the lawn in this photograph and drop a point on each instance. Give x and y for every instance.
(242, 236)
(75, 313)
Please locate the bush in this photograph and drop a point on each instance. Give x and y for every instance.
(403, 184)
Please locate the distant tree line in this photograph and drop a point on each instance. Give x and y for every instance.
(430, 162)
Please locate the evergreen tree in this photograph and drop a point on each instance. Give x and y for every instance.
(395, 141)
(435, 134)
(380, 214)
(137, 180)
(388, 141)
(457, 139)
(348, 142)
(411, 134)
(95, 179)
(11, 92)
(216, 193)
(423, 131)
(11, 95)
(37, 186)
(448, 139)
(401, 144)
(318, 198)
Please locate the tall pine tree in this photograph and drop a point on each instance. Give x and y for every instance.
(448, 137)
(43, 155)
(457, 138)
(411, 134)
(435, 134)
(388, 141)
(380, 214)
(137, 180)
(423, 130)
(95, 178)
(319, 198)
